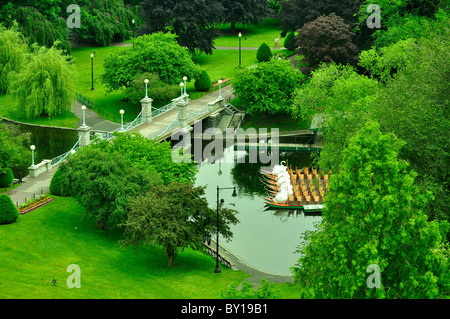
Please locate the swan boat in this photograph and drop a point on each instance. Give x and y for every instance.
(294, 188)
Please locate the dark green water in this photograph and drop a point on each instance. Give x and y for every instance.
(264, 239)
(49, 142)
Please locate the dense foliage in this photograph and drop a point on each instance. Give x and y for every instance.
(159, 91)
(326, 39)
(13, 54)
(8, 212)
(14, 148)
(244, 11)
(157, 53)
(296, 13)
(175, 217)
(267, 87)
(6, 178)
(44, 85)
(193, 21)
(266, 290)
(374, 216)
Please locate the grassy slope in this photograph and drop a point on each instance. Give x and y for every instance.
(39, 246)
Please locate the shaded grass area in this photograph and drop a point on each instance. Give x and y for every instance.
(40, 246)
(8, 110)
(252, 35)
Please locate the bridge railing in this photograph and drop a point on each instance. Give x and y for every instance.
(62, 157)
(166, 108)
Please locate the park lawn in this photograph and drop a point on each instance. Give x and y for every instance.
(252, 35)
(8, 110)
(39, 246)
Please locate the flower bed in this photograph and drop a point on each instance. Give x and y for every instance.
(38, 202)
(217, 83)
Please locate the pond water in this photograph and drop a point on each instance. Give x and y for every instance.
(265, 239)
(49, 142)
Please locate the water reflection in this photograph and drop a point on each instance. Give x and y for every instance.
(49, 142)
(266, 239)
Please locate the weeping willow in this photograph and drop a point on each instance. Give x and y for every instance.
(43, 87)
(106, 21)
(13, 52)
(39, 29)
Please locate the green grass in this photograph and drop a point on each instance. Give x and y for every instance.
(8, 110)
(39, 246)
(252, 35)
(106, 104)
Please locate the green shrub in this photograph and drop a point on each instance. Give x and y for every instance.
(6, 178)
(160, 92)
(203, 83)
(8, 212)
(264, 53)
(289, 42)
(58, 184)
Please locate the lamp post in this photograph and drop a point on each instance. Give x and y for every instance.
(32, 148)
(92, 71)
(217, 270)
(185, 79)
(181, 86)
(146, 87)
(132, 21)
(220, 89)
(240, 36)
(121, 116)
(83, 108)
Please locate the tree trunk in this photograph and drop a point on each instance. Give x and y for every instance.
(100, 225)
(170, 252)
(233, 26)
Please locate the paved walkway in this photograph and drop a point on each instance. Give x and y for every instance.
(93, 120)
(32, 187)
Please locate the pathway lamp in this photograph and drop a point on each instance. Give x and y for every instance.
(181, 86)
(234, 194)
(83, 108)
(92, 71)
(185, 79)
(121, 116)
(146, 88)
(220, 89)
(240, 36)
(132, 22)
(32, 148)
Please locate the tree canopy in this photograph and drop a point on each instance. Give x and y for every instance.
(374, 216)
(267, 87)
(244, 11)
(157, 53)
(193, 21)
(176, 217)
(44, 85)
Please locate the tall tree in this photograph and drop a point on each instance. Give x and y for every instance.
(155, 53)
(295, 13)
(374, 219)
(14, 148)
(326, 39)
(13, 53)
(176, 217)
(194, 21)
(244, 11)
(44, 86)
(267, 87)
